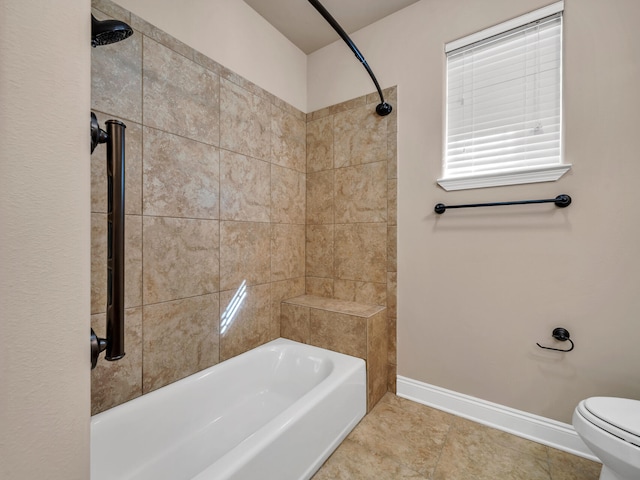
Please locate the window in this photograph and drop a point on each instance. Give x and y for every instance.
(504, 104)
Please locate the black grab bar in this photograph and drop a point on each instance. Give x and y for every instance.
(561, 201)
(114, 137)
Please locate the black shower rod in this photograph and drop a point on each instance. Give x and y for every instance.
(383, 108)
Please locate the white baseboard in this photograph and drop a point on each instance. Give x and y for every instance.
(526, 425)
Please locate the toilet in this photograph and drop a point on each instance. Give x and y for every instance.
(610, 427)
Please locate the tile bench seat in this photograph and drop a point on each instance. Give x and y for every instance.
(347, 327)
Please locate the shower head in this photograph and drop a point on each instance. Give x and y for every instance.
(104, 32)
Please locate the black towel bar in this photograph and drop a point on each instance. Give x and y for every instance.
(560, 201)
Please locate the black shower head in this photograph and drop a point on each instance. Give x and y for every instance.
(104, 32)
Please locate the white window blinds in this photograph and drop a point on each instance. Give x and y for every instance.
(504, 102)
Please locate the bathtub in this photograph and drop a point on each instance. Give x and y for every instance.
(275, 413)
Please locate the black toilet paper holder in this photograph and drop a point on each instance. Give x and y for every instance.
(561, 334)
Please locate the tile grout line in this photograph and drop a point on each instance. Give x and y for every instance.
(142, 155)
(444, 443)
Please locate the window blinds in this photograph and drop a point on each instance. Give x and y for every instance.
(504, 102)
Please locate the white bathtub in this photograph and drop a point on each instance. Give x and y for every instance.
(275, 413)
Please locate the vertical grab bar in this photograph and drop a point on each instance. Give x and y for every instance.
(114, 138)
(115, 242)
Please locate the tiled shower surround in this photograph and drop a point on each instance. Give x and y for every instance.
(351, 207)
(222, 192)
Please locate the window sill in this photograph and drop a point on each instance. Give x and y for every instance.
(546, 174)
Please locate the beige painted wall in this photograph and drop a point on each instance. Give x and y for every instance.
(44, 240)
(236, 36)
(478, 289)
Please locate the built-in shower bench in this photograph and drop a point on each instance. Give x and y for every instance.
(352, 328)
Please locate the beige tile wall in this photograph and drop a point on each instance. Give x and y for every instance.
(215, 192)
(351, 207)
(219, 198)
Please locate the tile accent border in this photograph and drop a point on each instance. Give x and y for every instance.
(546, 431)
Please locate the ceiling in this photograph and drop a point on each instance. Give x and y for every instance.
(299, 21)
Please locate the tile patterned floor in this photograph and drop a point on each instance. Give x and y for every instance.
(400, 439)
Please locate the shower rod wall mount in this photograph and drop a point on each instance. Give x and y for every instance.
(383, 107)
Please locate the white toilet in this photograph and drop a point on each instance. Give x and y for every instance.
(611, 429)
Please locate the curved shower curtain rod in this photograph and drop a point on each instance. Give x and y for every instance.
(383, 108)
